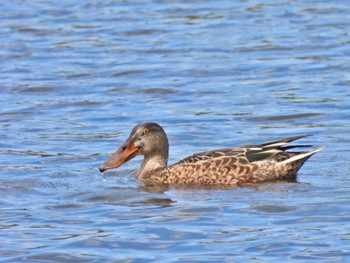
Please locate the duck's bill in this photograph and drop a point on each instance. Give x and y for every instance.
(125, 153)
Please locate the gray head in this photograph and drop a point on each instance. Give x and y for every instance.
(148, 139)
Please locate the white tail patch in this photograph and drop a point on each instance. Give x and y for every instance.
(301, 156)
(255, 148)
(275, 145)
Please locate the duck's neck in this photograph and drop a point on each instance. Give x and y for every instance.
(151, 164)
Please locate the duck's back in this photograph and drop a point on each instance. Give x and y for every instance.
(227, 167)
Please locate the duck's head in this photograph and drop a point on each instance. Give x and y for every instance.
(148, 139)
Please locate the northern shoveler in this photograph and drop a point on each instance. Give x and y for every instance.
(251, 164)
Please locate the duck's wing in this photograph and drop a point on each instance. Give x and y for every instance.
(210, 155)
(248, 153)
(276, 150)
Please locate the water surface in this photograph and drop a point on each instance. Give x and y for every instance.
(77, 76)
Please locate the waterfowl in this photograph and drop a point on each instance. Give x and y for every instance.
(251, 164)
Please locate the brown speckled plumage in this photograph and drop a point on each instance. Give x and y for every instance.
(249, 164)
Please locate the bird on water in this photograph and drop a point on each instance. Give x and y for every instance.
(251, 164)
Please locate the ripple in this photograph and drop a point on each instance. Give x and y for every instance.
(76, 77)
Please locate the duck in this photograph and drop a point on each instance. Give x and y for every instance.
(246, 165)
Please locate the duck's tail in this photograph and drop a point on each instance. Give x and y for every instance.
(301, 157)
(286, 164)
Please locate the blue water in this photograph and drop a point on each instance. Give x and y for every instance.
(76, 76)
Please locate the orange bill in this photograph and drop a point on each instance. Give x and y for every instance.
(125, 153)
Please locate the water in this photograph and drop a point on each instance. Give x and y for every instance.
(76, 76)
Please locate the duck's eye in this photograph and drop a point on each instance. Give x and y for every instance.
(145, 132)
